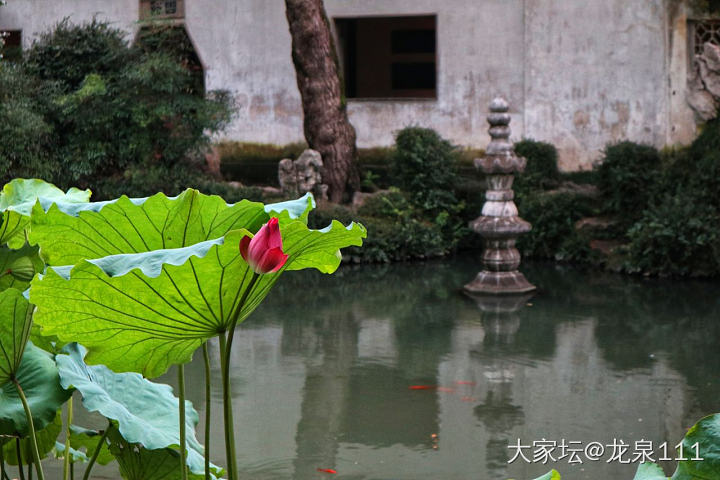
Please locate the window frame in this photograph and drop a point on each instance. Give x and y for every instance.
(428, 95)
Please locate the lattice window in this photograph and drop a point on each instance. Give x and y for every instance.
(160, 9)
(705, 31)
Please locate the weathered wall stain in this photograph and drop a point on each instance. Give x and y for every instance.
(577, 73)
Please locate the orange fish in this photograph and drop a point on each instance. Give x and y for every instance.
(422, 387)
(326, 470)
(464, 382)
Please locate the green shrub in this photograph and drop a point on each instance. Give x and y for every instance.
(628, 179)
(109, 107)
(676, 238)
(68, 53)
(26, 135)
(395, 231)
(423, 165)
(541, 171)
(678, 234)
(553, 234)
(708, 140)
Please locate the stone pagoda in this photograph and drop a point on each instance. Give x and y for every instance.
(499, 224)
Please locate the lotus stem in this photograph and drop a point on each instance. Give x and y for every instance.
(225, 350)
(3, 473)
(227, 413)
(206, 357)
(66, 459)
(21, 472)
(183, 442)
(95, 454)
(31, 425)
(236, 316)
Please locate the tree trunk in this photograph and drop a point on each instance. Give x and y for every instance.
(326, 125)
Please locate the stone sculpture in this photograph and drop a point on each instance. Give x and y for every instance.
(703, 93)
(499, 224)
(303, 175)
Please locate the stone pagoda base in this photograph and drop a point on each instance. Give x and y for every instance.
(499, 283)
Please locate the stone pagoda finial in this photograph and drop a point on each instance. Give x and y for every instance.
(500, 224)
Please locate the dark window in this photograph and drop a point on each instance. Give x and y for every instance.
(12, 50)
(413, 76)
(388, 57)
(413, 41)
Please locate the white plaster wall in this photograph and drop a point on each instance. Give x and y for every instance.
(479, 54)
(34, 17)
(245, 48)
(578, 74)
(595, 73)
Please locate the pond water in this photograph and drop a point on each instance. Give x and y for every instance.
(322, 373)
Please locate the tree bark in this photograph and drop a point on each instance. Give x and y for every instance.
(326, 125)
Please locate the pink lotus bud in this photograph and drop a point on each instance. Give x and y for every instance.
(263, 253)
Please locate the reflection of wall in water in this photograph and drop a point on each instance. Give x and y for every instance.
(570, 394)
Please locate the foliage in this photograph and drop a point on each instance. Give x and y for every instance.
(37, 375)
(678, 234)
(423, 165)
(174, 41)
(541, 170)
(45, 438)
(553, 235)
(26, 132)
(628, 178)
(121, 397)
(703, 6)
(667, 204)
(68, 53)
(397, 231)
(98, 106)
(706, 434)
(133, 250)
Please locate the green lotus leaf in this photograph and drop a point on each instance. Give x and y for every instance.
(649, 471)
(38, 377)
(50, 344)
(75, 455)
(95, 230)
(706, 434)
(17, 200)
(88, 439)
(145, 312)
(551, 475)
(17, 267)
(46, 439)
(15, 324)
(146, 413)
(138, 463)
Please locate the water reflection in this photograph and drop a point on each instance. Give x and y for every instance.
(322, 373)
